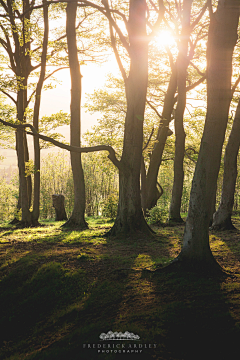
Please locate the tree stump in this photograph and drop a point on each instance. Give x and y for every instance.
(58, 204)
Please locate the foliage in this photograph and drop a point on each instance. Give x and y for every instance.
(110, 206)
(157, 215)
(8, 113)
(56, 178)
(8, 199)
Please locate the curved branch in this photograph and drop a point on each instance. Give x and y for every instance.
(48, 76)
(148, 139)
(235, 85)
(111, 156)
(196, 21)
(8, 95)
(154, 109)
(113, 42)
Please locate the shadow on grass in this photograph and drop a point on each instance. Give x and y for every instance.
(48, 311)
(192, 318)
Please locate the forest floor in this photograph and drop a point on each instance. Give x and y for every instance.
(60, 289)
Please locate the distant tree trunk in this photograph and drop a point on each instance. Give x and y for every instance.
(222, 38)
(222, 218)
(213, 208)
(26, 215)
(36, 196)
(152, 193)
(77, 217)
(130, 217)
(143, 186)
(58, 204)
(182, 65)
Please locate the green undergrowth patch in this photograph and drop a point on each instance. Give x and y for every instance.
(61, 288)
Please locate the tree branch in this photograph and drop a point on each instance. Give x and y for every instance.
(191, 87)
(235, 85)
(154, 109)
(113, 42)
(48, 76)
(196, 21)
(111, 156)
(8, 95)
(144, 148)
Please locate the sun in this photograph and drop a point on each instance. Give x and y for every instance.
(165, 38)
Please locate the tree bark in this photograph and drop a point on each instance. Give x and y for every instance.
(130, 217)
(26, 215)
(22, 70)
(36, 195)
(182, 65)
(222, 218)
(143, 186)
(58, 204)
(77, 217)
(221, 41)
(163, 131)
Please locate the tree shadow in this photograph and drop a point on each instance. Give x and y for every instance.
(194, 320)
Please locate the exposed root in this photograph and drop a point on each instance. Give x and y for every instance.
(174, 221)
(224, 225)
(75, 225)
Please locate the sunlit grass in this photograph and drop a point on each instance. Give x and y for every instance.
(62, 287)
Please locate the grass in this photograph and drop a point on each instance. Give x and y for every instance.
(60, 289)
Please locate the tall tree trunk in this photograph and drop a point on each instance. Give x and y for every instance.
(23, 65)
(152, 193)
(77, 217)
(130, 218)
(25, 183)
(36, 195)
(182, 65)
(221, 41)
(222, 218)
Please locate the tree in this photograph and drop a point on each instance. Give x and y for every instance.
(221, 42)
(36, 200)
(77, 217)
(178, 77)
(130, 217)
(24, 47)
(222, 217)
(182, 65)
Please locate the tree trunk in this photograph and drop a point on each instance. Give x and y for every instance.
(130, 218)
(182, 65)
(58, 204)
(77, 217)
(222, 218)
(36, 195)
(221, 41)
(26, 215)
(163, 131)
(23, 65)
(143, 186)
(25, 183)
